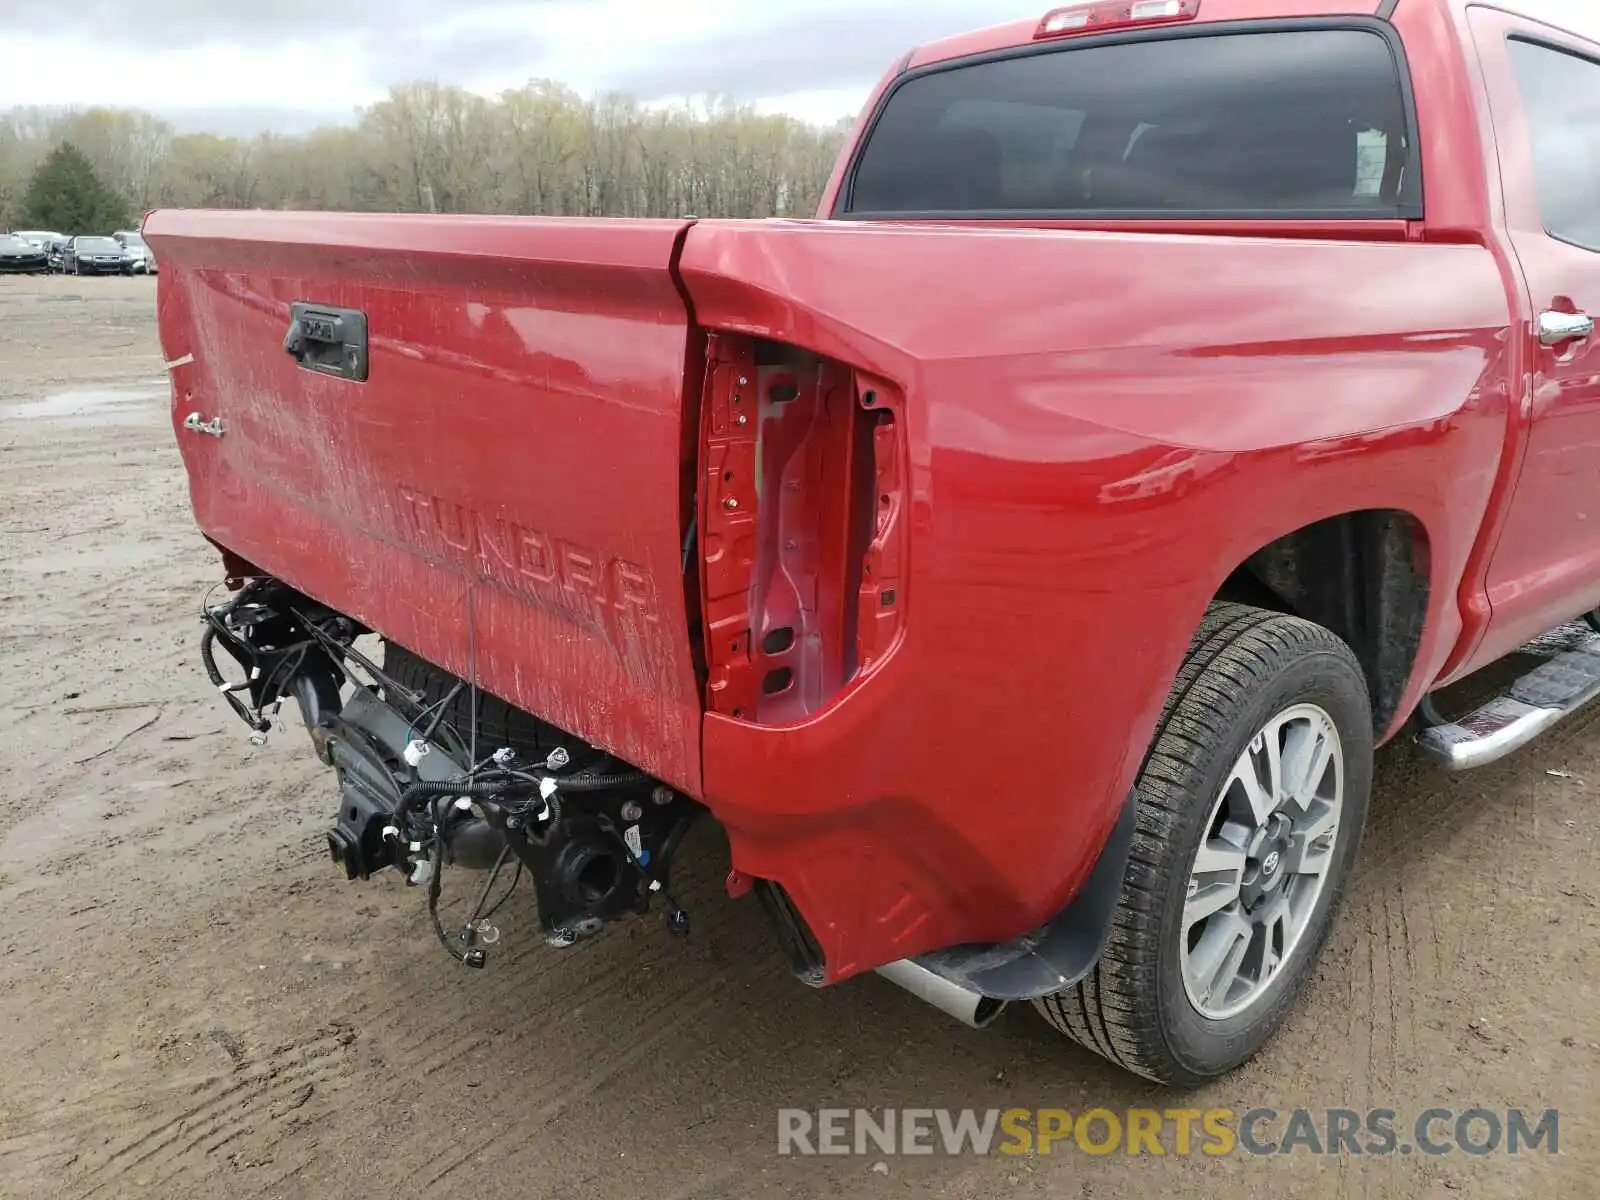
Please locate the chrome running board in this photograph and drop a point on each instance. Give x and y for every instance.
(1565, 682)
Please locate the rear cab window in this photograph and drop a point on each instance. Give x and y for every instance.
(1292, 119)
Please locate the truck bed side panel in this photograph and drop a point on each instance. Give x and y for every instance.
(1100, 428)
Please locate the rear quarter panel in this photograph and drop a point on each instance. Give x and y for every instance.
(1101, 427)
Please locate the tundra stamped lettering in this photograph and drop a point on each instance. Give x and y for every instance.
(581, 582)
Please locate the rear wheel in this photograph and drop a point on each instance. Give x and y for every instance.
(1250, 810)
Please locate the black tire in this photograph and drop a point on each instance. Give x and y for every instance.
(1245, 666)
(499, 724)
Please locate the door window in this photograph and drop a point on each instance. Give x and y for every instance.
(1561, 99)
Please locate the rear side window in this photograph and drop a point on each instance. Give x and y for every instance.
(1561, 97)
(1301, 122)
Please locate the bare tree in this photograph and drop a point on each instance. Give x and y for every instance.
(432, 147)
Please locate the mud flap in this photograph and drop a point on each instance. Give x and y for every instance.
(1058, 954)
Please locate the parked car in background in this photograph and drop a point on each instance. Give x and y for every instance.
(39, 237)
(20, 255)
(94, 256)
(55, 249)
(140, 260)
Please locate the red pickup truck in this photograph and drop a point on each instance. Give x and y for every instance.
(1020, 561)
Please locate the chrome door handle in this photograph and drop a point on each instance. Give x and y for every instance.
(194, 424)
(1558, 327)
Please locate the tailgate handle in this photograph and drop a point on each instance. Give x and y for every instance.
(331, 341)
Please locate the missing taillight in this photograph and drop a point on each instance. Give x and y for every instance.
(802, 515)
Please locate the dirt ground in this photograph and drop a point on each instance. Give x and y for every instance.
(194, 1003)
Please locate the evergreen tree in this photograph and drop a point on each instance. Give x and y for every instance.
(66, 195)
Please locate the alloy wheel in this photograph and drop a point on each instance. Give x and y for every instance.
(1262, 862)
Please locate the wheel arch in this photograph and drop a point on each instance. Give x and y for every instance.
(1364, 575)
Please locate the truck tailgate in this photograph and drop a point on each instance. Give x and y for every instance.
(504, 493)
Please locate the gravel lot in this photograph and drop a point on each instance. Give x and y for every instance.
(194, 1003)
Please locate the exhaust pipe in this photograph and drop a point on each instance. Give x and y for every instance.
(965, 1005)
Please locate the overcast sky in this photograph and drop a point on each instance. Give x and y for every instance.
(240, 66)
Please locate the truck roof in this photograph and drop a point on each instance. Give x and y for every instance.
(1020, 33)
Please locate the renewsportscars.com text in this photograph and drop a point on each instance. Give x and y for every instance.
(1173, 1131)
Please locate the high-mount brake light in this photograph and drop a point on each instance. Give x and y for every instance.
(1081, 17)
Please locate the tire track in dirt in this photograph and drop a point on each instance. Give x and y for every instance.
(228, 1107)
(608, 1061)
(640, 971)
